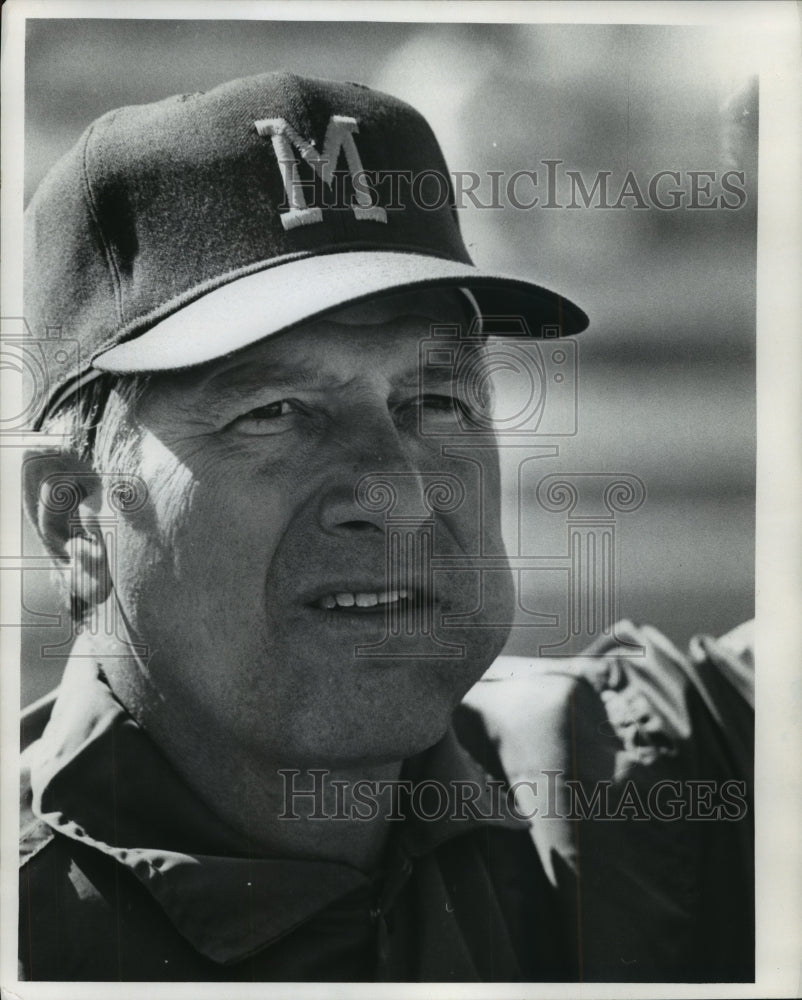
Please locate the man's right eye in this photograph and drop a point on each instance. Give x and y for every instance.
(441, 403)
(272, 418)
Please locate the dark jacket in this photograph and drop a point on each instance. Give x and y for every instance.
(626, 859)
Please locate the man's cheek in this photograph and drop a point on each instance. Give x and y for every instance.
(170, 486)
(192, 504)
(472, 476)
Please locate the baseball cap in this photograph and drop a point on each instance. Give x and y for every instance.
(177, 232)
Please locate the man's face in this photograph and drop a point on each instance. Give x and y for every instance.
(257, 574)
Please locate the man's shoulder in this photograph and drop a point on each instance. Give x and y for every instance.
(82, 915)
(614, 743)
(85, 917)
(60, 909)
(630, 690)
(34, 833)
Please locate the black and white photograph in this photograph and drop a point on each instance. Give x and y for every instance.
(389, 471)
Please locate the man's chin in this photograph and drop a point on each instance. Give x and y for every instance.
(400, 718)
(377, 749)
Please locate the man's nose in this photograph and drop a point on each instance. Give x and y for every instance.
(376, 477)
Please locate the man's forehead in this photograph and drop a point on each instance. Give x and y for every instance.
(380, 336)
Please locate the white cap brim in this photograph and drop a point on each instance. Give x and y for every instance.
(258, 305)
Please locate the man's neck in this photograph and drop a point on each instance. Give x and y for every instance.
(274, 807)
(310, 811)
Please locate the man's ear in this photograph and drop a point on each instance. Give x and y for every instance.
(62, 496)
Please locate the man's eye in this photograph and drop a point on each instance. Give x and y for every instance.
(444, 404)
(438, 406)
(269, 419)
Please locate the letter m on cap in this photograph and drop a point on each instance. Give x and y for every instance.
(339, 138)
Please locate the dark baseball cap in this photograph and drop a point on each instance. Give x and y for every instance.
(178, 232)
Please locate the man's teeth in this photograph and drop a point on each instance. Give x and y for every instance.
(362, 599)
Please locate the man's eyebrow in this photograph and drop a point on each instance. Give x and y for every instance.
(423, 374)
(246, 380)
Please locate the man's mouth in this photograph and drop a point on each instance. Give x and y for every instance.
(362, 600)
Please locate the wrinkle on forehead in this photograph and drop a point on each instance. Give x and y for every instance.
(380, 334)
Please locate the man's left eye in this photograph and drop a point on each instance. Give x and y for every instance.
(267, 419)
(442, 406)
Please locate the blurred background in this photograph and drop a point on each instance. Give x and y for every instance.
(665, 374)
